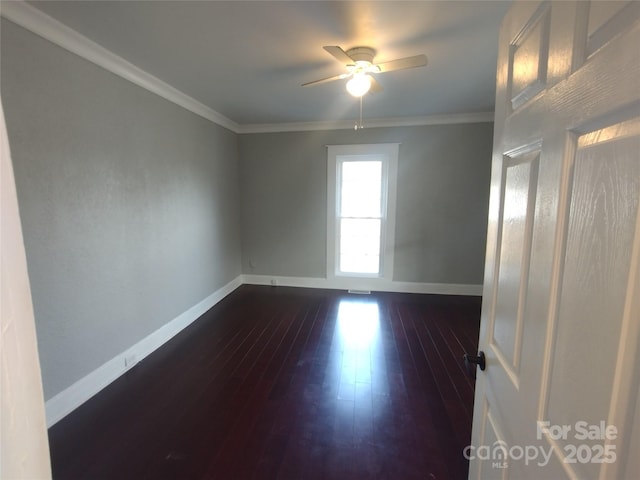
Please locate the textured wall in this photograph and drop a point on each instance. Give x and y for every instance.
(443, 192)
(284, 197)
(129, 204)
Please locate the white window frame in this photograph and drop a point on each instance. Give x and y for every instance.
(387, 153)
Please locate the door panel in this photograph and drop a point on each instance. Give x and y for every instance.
(529, 54)
(561, 299)
(521, 174)
(606, 19)
(493, 463)
(601, 228)
(529, 64)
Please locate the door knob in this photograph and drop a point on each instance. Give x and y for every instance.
(471, 360)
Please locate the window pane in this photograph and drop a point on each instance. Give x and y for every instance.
(361, 189)
(360, 245)
(360, 264)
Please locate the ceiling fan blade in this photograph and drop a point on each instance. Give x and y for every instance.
(339, 54)
(402, 63)
(375, 86)
(328, 79)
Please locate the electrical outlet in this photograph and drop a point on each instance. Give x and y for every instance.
(130, 360)
(274, 282)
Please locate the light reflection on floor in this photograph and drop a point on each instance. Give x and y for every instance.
(358, 324)
(358, 374)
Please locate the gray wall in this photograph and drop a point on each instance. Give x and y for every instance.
(443, 193)
(129, 204)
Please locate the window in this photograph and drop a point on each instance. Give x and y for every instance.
(359, 215)
(361, 210)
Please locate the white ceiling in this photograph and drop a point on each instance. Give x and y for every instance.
(247, 59)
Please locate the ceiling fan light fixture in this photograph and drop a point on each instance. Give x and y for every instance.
(359, 84)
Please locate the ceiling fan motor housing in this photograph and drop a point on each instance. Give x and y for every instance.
(361, 54)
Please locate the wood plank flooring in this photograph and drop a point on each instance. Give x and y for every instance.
(284, 383)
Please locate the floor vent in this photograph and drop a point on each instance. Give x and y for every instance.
(360, 292)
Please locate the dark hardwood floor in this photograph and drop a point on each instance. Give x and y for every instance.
(287, 383)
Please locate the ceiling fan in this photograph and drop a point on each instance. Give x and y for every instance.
(360, 66)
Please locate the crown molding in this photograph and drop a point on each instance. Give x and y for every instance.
(481, 117)
(43, 25)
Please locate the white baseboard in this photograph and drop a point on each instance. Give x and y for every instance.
(373, 284)
(72, 397)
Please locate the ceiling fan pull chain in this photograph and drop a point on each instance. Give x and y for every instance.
(359, 126)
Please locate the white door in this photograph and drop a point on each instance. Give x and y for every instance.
(561, 311)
